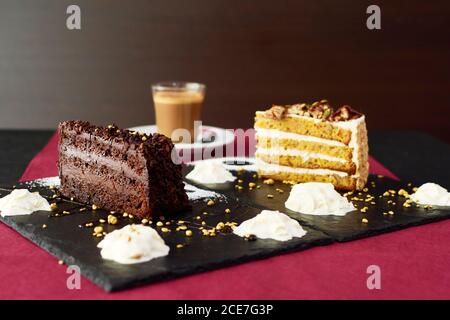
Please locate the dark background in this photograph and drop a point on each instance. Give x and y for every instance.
(249, 53)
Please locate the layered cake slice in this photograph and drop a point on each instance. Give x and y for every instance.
(305, 143)
(119, 170)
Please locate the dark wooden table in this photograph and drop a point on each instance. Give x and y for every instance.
(411, 155)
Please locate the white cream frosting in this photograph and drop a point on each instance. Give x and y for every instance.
(209, 171)
(431, 194)
(306, 155)
(352, 125)
(278, 134)
(317, 198)
(133, 244)
(271, 225)
(21, 202)
(275, 168)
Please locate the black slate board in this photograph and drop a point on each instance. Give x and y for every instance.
(76, 246)
(339, 228)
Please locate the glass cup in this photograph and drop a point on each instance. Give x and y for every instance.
(178, 108)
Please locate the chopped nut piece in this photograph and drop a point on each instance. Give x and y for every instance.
(210, 203)
(53, 206)
(270, 196)
(250, 237)
(144, 221)
(164, 229)
(112, 219)
(94, 207)
(60, 262)
(269, 181)
(220, 226)
(276, 112)
(364, 209)
(98, 229)
(391, 212)
(252, 184)
(227, 210)
(101, 220)
(188, 233)
(159, 224)
(44, 226)
(364, 220)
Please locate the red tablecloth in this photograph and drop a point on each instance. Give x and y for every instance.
(415, 264)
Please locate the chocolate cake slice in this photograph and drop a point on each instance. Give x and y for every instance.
(119, 170)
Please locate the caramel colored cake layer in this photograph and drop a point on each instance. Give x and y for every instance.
(304, 143)
(119, 170)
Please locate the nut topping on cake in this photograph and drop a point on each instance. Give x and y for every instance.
(345, 113)
(317, 110)
(276, 112)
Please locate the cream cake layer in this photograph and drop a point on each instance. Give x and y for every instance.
(304, 126)
(341, 180)
(310, 162)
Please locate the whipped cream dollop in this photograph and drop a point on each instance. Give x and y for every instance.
(21, 202)
(133, 244)
(270, 225)
(431, 194)
(317, 198)
(210, 172)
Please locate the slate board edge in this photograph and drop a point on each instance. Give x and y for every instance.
(220, 264)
